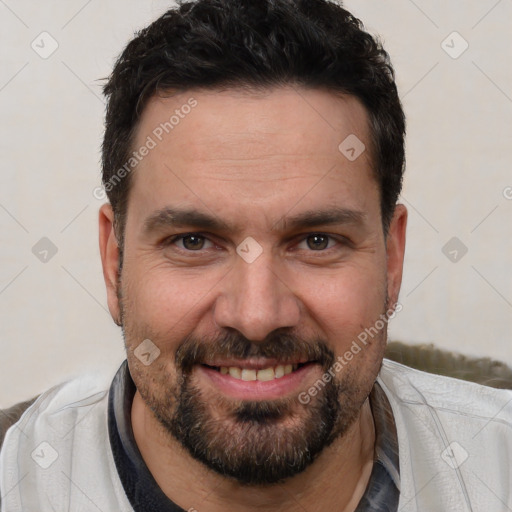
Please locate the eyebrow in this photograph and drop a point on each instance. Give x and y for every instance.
(189, 217)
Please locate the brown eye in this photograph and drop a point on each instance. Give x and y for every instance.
(190, 242)
(193, 242)
(318, 242)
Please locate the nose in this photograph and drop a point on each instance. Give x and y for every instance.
(256, 298)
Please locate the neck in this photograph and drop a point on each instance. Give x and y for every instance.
(350, 458)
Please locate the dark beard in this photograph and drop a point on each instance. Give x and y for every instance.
(256, 450)
(247, 440)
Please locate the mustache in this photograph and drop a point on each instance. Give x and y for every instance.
(278, 345)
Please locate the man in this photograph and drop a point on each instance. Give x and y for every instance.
(252, 251)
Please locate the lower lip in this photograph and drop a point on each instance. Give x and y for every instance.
(255, 389)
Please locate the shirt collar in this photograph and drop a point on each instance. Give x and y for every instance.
(383, 490)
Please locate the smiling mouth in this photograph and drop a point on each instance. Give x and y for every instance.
(261, 374)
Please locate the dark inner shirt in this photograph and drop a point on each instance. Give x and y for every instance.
(144, 494)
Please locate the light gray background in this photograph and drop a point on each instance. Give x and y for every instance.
(54, 320)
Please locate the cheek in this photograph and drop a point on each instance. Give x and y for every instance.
(346, 302)
(168, 298)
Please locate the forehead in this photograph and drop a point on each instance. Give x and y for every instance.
(305, 119)
(256, 148)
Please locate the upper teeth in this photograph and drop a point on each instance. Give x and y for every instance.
(264, 374)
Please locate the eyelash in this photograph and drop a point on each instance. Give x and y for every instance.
(339, 239)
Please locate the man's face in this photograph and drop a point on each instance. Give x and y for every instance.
(290, 268)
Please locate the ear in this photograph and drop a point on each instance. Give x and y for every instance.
(395, 250)
(109, 250)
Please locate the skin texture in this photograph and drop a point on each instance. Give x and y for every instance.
(253, 160)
